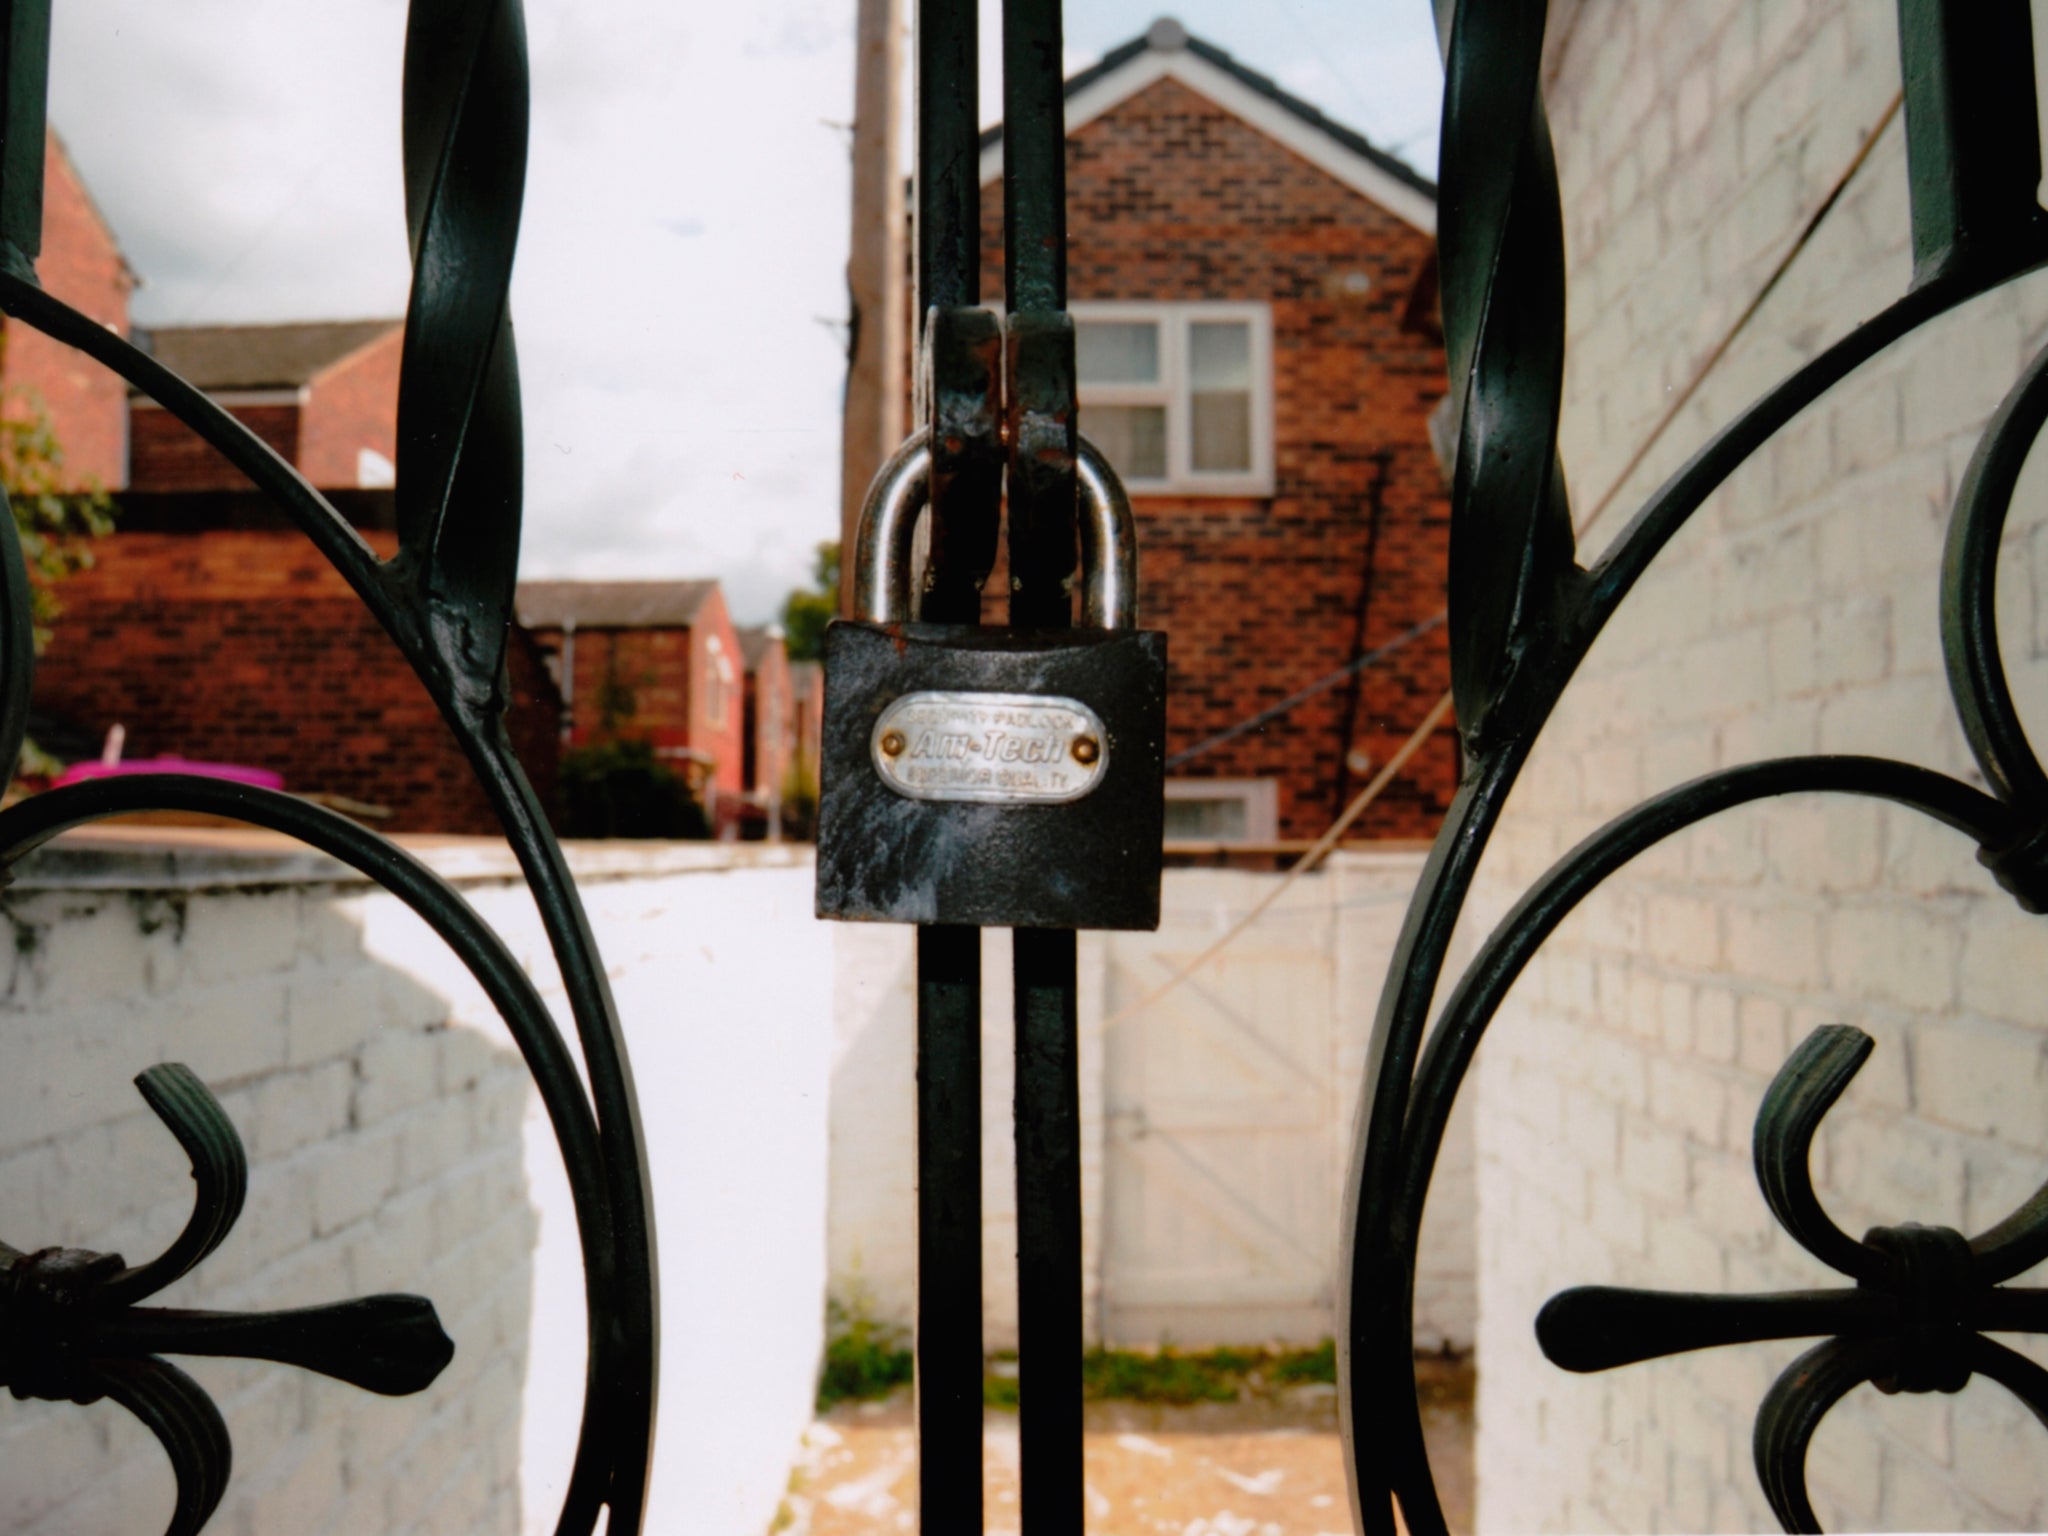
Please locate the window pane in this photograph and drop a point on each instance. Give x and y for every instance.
(1221, 433)
(1205, 821)
(1117, 351)
(1133, 437)
(1220, 355)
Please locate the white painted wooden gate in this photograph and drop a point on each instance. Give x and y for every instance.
(1223, 1124)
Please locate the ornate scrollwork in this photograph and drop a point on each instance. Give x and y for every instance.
(70, 1330)
(1915, 1321)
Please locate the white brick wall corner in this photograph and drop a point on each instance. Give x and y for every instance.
(1796, 613)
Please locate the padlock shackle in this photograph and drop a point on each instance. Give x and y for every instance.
(1109, 545)
(888, 521)
(901, 488)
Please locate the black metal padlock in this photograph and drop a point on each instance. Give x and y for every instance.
(992, 777)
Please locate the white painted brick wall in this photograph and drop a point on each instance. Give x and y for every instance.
(395, 1144)
(1797, 613)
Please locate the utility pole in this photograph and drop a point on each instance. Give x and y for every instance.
(875, 273)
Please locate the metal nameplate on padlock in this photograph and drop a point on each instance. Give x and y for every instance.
(993, 777)
(998, 748)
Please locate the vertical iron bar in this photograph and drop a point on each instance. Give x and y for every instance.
(949, 1361)
(949, 1343)
(948, 156)
(24, 94)
(1039, 358)
(1047, 1106)
(1048, 1115)
(1034, 157)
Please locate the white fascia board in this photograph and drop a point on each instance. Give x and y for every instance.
(1240, 100)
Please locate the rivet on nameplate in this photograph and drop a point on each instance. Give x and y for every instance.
(997, 748)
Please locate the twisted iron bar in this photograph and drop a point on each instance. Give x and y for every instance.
(1523, 614)
(445, 599)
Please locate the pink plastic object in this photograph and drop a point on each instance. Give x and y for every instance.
(259, 778)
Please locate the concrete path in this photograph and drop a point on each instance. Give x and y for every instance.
(1212, 1469)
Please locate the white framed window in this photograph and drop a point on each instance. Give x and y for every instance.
(1179, 396)
(1222, 810)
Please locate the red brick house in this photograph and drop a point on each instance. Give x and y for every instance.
(81, 264)
(323, 394)
(807, 727)
(655, 661)
(207, 628)
(1254, 291)
(770, 723)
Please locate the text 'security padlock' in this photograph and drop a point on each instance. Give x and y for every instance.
(992, 777)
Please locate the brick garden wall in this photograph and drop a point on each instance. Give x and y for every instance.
(247, 647)
(1797, 613)
(1172, 198)
(167, 455)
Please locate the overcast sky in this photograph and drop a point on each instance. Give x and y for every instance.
(681, 277)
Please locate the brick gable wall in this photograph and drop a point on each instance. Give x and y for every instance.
(350, 407)
(1171, 198)
(656, 677)
(647, 674)
(80, 264)
(246, 647)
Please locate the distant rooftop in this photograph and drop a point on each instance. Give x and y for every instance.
(611, 604)
(754, 642)
(262, 356)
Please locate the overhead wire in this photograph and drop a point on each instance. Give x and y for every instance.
(1719, 350)
(1307, 862)
(1294, 700)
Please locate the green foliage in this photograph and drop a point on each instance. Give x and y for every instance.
(999, 1382)
(806, 611)
(620, 789)
(1204, 1376)
(864, 1359)
(55, 521)
(1167, 1377)
(1304, 1367)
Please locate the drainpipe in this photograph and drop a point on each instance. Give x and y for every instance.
(568, 680)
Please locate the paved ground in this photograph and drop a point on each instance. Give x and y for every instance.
(1213, 1469)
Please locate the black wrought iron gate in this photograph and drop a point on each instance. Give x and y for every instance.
(999, 421)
